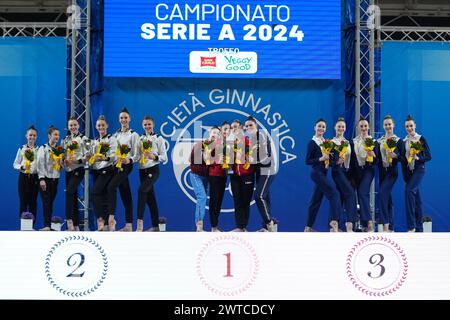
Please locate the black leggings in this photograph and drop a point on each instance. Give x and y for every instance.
(99, 194)
(73, 180)
(120, 180)
(48, 197)
(242, 188)
(146, 194)
(217, 187)
(28, 191)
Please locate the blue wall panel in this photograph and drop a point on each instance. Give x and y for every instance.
(298, 102)
(32, 91)
(416, 80)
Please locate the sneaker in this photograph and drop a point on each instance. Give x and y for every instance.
(215, 229)
(105, 228)
(140, 225)
(45, 229)
(128, 228)
(199, 226)
(263, 230)
(308, 229)
(153, 229)
(411, 230)
(238, 230)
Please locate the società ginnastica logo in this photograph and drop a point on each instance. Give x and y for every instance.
(190, 121)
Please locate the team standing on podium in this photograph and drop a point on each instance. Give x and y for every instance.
(243, 155)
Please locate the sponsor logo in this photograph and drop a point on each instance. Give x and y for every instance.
(208, 61)
(223, 63)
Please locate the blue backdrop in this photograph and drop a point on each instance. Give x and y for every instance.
(32, 91)
(416, 80)
(293, 105)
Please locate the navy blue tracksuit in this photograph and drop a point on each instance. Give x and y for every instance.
(364, 174)
(388, 176)
(413, 177)
(322, 186)
(341, 177)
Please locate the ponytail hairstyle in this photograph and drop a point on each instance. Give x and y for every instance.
(32, 127)
(388, 117)
(320, 120)
(147, 117)
(125, 110)
(51, 129)
(237, 121)
(102, 118)
(410, 118)
(363, 119)
(250, 118)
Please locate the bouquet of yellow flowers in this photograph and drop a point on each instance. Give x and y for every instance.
(341, 148)
(57, 153)
(122, 152)
(250, 149)
(207, 150)
(236, 150)
(146, 147)
(72, 148)
(29, 158)
(369, 145)
(102, 150)
(226, 156)
(415, 147)
(390, 145)
(326, 147)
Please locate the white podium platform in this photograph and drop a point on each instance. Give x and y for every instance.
(224, 266)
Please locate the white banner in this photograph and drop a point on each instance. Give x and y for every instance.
(173, 265)
(238, 63)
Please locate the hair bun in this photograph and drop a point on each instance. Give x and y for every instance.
(124, 109)
(409, 118)
(320, 120)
